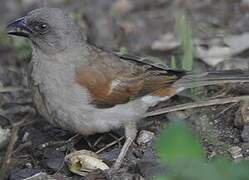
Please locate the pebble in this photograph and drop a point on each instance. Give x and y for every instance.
(145, 137)
(236, 152)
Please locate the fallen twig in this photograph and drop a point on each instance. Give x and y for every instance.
(10, 89)
(197, 105)
(110, 144)
(13, 138)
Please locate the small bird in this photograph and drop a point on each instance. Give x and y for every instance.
(87, 90)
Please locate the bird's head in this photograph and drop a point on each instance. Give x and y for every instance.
(49, 29)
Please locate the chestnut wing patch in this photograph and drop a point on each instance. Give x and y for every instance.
(109, 85)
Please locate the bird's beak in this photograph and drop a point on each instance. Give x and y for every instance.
(19, 28)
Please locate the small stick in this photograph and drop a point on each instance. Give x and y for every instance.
(13, 138)
(98, 140)
(110, 144)
(116, 138)
(10, 89)
(212, 102)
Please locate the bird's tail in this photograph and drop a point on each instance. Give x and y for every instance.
(211, 78)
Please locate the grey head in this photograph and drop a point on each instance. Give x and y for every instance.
(49, 29)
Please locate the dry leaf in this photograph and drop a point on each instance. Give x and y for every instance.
(82, 162)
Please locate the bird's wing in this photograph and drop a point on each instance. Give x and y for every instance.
(150, 61)
(111, 80)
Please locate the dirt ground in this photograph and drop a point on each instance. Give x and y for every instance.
(147, 28)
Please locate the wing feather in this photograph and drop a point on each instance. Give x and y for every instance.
(111, 80)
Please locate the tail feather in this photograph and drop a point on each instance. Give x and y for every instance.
(212, 78)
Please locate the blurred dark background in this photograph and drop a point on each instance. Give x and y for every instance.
(149, 27)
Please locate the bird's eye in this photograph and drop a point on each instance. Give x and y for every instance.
(41, 27)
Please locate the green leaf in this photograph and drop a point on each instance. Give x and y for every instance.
(173, 62)
(162, 178)
(240, 171)
(185, 34)
(123, 50)
(197, 170)
(177, 144)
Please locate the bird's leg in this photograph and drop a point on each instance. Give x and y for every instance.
(130, 135)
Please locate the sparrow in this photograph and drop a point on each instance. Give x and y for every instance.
(82, 88)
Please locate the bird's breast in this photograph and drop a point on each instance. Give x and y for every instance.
(57, 97)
